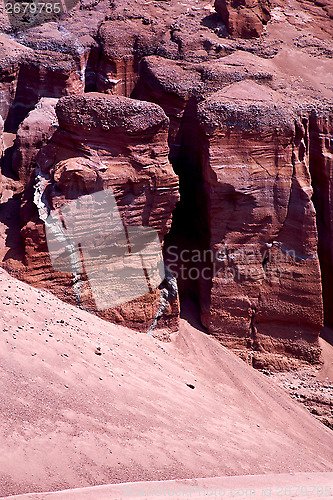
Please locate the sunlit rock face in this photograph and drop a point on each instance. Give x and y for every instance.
(244, 18)
(33, 133)
(265, 290)
(102, 143)
(269, 61)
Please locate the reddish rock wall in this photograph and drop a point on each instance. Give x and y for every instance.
(265, 293)
(321, 163)
(105, 142)
(33, 133)
(43, 74)
(244, 18)
(123, 43)
(102, 46)
(12, 55)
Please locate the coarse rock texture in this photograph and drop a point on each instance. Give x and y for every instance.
(244, 18)
(33, 133)
(123, 45)
(1, 136)
(105, 142)
(321, 154)
(179, 56)
(4, 21)
(75, 38)
(12, 55)
(139, 410)
(266, 287)
(43, 74)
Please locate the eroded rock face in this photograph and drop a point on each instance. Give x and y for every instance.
(265, 292)
(321, 154)
(177, 86)
(1, 136)
(33, 133)
(244, 18)
(43, 73)
(178, 57)
(106, 142)
(12, 54)
(123, 45)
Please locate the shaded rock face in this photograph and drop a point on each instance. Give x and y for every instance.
(1, 149)
(11, 56)
(265, 292)
(33, 133)
(105, 142)
(123, 45)
(1, 136)
(244, 18)
(321, 155)
(45, 74)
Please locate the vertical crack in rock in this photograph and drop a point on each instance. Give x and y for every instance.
(252, 330)
(189, 231)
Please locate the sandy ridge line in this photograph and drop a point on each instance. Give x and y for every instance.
(283, 486)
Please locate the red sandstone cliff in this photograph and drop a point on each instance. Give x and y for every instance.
(245, 18)
(321, 166)
(266, 286)
(105, 142)
(249, 135)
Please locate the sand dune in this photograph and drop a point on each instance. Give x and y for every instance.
(142, 410)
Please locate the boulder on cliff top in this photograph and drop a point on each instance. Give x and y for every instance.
(93, 111)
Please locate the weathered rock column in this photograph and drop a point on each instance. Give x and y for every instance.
(321, 167)
(105, 142)
(265, 292)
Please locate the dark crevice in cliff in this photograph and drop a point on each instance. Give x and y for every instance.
(91, 70)
(253, 331)
(25, 100)
(10, 219)
(320, 154)
(188, 238)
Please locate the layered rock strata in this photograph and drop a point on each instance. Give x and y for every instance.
(103, 143)
(265, 292)
(321, 167)
(190, 57)
(43, 74)
(123, 44)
